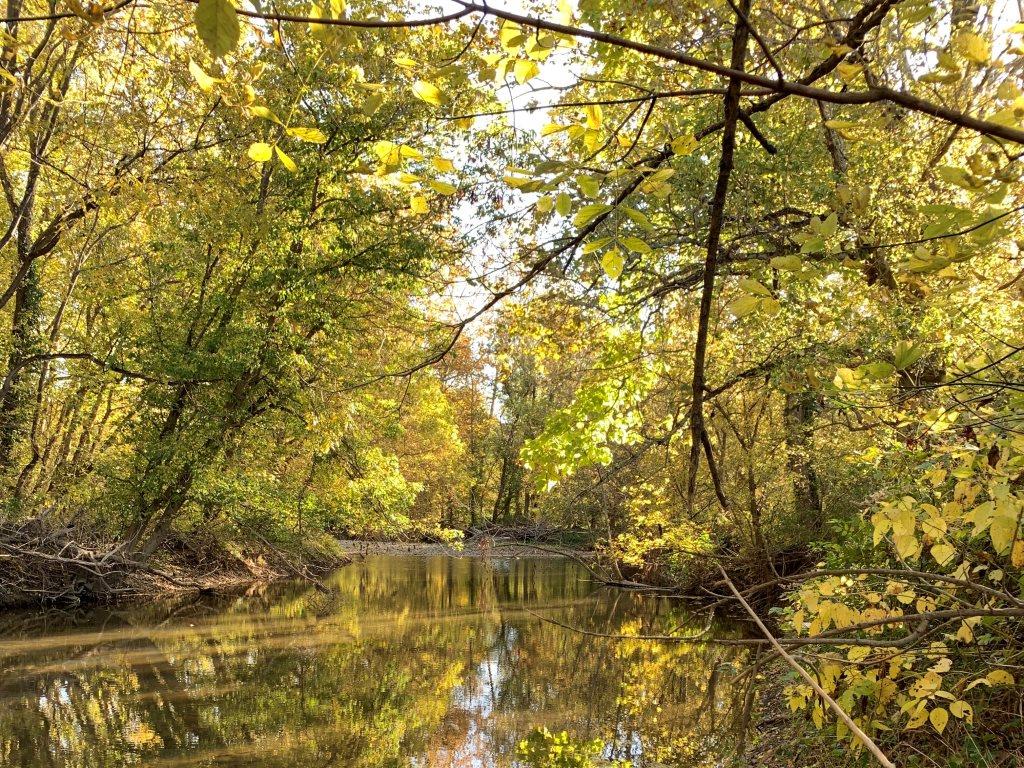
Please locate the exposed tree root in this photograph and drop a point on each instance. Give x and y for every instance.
(42, 564)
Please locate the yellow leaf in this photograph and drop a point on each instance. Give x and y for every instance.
(206, 82)
(906, 545)
(1017, 558)
(312, 135)
(974, 47)
(551, 128)
(595, 116)
(943, 553)
(963, 710)
(418, 204)
(1003, 529)
(286, 161)
(442, 187)
(260, 151)
(525, 69)
(848, 72)
(939, 717)
(918, 718)
(612, 263)
(443, 164)
(999, 677)
(427, 92)
(684, 145)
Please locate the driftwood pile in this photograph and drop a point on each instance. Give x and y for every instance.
(42, 563)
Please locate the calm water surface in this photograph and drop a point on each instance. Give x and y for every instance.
(407, 661)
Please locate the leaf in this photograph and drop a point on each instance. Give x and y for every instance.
(844, 128)
(387, 152)
(418, 204)
(265, 113)
(525, 69)
(589, 185)
(371, 104)
(792, 263)
(286, 161)
(963, 710)
(684, 145)
(612, 263)
(939, 717)
(753, 286)
(588, 213)
(943, 553)
(744, 305)
(1003, 529)
(563, 204)
(848, 72)
(442, 187)
(312, 135)
(427, 92)
(260, 151)
(637, 218)
(974, 47)
(217, 25)
(829, 226)
(443, 164)
(635, 244)
(595, 116)
(206, 82)
(551, 128)
(999, 677)
(906, 354)
(906, 545)
(918, 718)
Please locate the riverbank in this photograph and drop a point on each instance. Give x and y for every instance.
(487, 548)
(44, 567)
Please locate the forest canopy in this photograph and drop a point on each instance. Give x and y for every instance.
(731, 290)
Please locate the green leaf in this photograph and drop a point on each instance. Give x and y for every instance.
(563, 204)
(906, 354)
(744, 305)
(637, 218)
(427, 92)
(792, 262)
(588, 213)
(217, 24)
(260, 151)
(613, 263)
(589, 185)
(635, 244)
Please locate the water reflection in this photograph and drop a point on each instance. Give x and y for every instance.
(406, 661)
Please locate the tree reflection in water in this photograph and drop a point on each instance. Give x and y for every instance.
(406, 661)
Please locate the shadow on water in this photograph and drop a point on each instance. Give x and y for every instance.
(406, 661)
